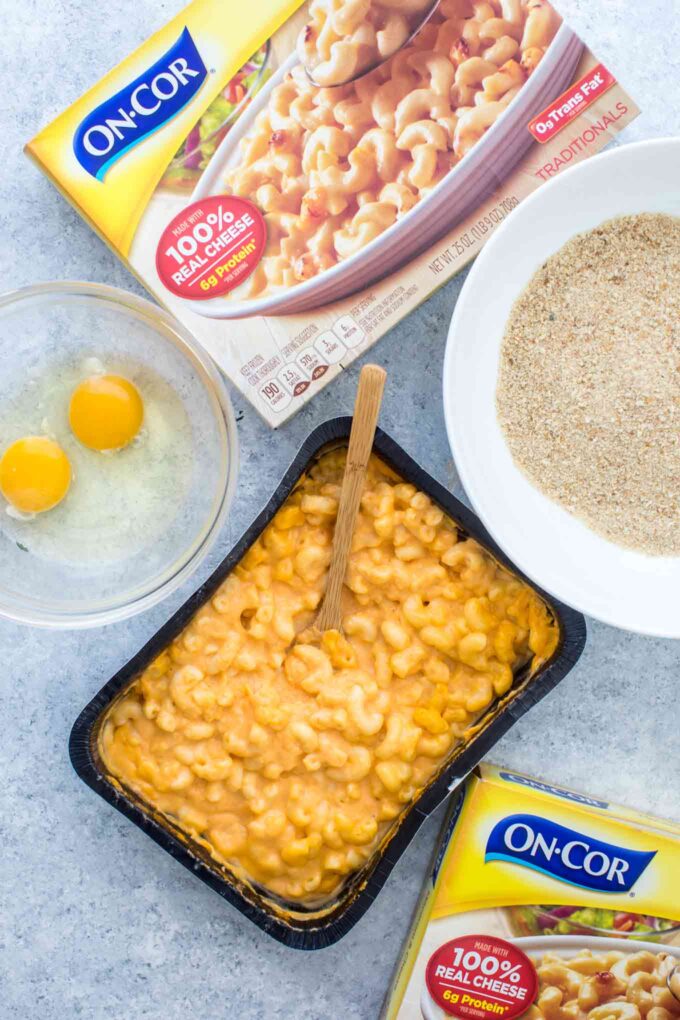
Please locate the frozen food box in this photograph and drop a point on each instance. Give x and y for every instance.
(544, 903)
(289, 225)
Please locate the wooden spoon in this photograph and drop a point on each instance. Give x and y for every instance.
(366, 411)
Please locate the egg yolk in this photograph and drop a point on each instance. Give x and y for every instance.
(106, 412)
(35, 474)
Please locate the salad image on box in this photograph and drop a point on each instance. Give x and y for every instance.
(601, 945)
(557, 920)
(211, 129)
(291, 180)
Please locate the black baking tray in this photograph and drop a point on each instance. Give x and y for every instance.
(293, 925)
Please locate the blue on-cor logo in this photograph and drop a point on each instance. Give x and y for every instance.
(565, 854)
(141, 108)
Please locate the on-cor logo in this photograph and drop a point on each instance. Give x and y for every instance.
(141, 108)
(565, 854)
(556, 791)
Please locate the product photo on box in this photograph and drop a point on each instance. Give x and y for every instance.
(315, 218)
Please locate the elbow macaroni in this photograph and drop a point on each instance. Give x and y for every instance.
(605, 986)
(345, 38)
(290, 758)
(332, 168)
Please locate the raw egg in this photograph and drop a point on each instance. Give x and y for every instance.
(119, 503)
(106, 412)
(35, 474)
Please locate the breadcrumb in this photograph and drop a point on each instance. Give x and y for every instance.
(589, 385)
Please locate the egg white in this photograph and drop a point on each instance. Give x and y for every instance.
(119, 502)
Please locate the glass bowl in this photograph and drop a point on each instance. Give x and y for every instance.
(106, 565)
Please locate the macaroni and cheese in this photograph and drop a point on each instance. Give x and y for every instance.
(345, 38)
(289, 757)
(605, 986)
(331, 169)
(674, 981)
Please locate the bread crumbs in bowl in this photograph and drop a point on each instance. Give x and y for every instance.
(568, 384)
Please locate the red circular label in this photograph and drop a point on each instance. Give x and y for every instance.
(480, 976)
(212, 246)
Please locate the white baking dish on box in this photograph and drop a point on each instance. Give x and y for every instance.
(461, 191)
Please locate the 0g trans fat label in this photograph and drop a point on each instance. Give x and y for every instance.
(211, 247)
(480, 976)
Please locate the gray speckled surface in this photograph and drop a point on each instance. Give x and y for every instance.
(96, 921)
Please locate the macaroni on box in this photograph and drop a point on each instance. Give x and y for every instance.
(545, 904)
(289, 224)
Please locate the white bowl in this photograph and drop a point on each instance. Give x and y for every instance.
(572, 945)
(619, 586)
(461, 191)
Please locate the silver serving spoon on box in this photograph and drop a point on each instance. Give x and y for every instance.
(415, 23)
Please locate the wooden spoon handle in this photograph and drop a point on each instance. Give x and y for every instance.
(366, 411)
